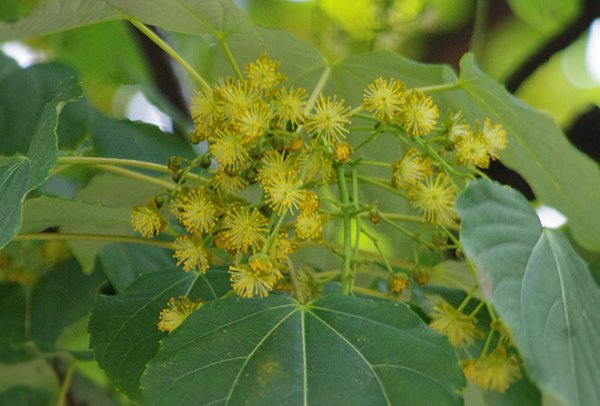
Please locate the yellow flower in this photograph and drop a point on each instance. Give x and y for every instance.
(310, 202)
(176, 312)
(253, 122)
(191, 254)
(205, 111)
(317, 166)
(237, 97)
(274, 163)
(281, 248)
(328, 118)
(496, 371)
(196, 212)
(248, 282)
(410, 170)
(419, 114)
(398, 283)
(458, 327)
(495, 137)
(246, 228)
(264, 74)
(146, 220)
(342, 151)
(435, 197)
(227, 183)
(457, 128)
(472, 150)
(228, 150)
(383, 98)
(284, 191)
(309, 226)
(289, 105)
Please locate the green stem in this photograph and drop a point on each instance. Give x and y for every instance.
(375, 242)
(379, 183)
(136, 175)
(274, 231)
(347, 224)
(84, 160)
(486, 346)
(295, 283)
(66, 384)
(358, 221)
(132, 163)
(370, 138)
(165, 47)
(91, 237)
(231, 59)
(439, 88)
(477, 308)
(370, 292)
(478, 35)
(409, 233)
(318, 89)
(374, 163)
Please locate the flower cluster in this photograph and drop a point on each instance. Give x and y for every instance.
(264, 187)
(428, 164)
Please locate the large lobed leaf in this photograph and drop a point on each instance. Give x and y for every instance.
(123, 328)
(274, 351)
(24, 173)
(540, 287)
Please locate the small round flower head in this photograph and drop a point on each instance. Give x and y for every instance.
(383, 99)
(410, 170)
(205, 110)
(281, 248)
(196, 212)
(419, 114)
(224, 182)
(246, 228)
(472, 151)
(435, 197)
(342, 151)
(327, 119)
(309, 226)
(310, 202)
(289, 105)
(223, 241)
(398, 283)
(273, 164)
(236, 98)
(318, 167)
(228, 150)
(247, 282)
(495, 137)
(190, 254)
(146, 220)
(458, 327)
(457, 128)
(253, 122)
(264, 74)
(496, 371)
(284, 191)
(176, 312)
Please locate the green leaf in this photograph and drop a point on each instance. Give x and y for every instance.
(546, 15)
(23, 174)
(24, 395)
(130, 140)
(60, 298)
(23, 97)
(535, 145)
(12, 318)
(124, 263)
(72, 216)
(334, 350)
(57, 299)
(58, 15)
(124, 333)
(539, 286)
